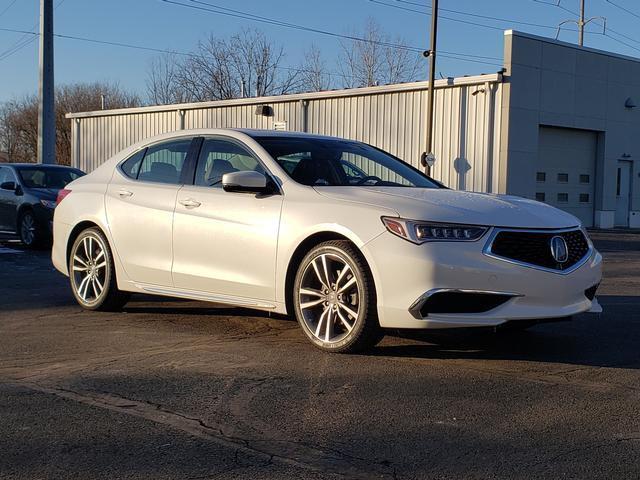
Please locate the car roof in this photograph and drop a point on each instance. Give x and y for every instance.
(37, 165)
(284, 134)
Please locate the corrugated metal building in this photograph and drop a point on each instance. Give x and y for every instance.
(559, 125)
(390, 117)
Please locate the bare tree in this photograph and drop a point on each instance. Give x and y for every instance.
(315, 77)
(221, 69)
(376, 59)
(19, 118)
(163, 86)
(19, 129)
(7, 139)
(83, 97)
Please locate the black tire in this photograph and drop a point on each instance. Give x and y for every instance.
(30, 234)
(364, 331)
(101, 266)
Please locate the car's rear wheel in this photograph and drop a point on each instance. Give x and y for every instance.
(92, 273)
(334, 298)
(28, 230)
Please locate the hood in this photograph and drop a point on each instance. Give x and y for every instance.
(452, 206)
(44, 193)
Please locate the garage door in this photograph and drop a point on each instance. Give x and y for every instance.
(566, 169)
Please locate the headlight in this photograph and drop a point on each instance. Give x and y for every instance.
(420, 232)
(48, 203)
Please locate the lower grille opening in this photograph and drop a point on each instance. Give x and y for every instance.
(590, 293)
(463, 302)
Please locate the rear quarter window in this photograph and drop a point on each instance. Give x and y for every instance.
(131, 166)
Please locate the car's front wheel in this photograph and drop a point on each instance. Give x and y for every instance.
(92, 273)
(334, 298)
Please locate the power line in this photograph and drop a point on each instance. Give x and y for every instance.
(561, 7)
(459, 12)
(623, 35)
(467, 22)
(186, 54)
(624, 9)
(151, 49)
(216, 9)
(26, 40)
(258, 18)
(448, 54)
(8, 7)
(488, 17)
(623, 43)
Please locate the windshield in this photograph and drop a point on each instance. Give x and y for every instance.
(43, 177)
(334, 162)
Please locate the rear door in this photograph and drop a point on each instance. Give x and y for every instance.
(140, 201)
(225, 243)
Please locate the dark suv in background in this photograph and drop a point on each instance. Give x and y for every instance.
(28, 195)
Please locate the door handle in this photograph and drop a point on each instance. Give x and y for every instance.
(189, 203)
(125, 193)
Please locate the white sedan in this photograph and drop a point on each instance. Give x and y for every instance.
(344, 236)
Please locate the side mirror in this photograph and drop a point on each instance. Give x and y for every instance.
(245, 182)
(9, 186)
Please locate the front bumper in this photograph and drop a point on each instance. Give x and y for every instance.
(405, 272)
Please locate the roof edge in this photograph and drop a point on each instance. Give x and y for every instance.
(350, 92)
(518, 33)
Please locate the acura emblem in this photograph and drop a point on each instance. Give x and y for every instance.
(559, 249)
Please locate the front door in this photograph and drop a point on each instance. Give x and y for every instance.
(140, 201)
(225, 243)
(8, 203)
(623, 193)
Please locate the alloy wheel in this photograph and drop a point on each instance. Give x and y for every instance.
(27, 229)
(89, 269)
(329, 298)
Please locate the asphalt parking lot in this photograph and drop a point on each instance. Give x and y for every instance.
(188, 390)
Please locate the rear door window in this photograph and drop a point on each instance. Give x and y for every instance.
(163, 163)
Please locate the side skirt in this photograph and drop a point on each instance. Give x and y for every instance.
(207, 297)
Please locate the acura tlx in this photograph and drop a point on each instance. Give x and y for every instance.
(346, 237)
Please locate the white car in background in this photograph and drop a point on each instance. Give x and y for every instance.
(344, 236)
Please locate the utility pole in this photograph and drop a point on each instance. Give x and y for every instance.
(428, 158)
(46, 114)
(581, 25)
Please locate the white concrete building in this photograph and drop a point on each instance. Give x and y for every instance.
(558, 125)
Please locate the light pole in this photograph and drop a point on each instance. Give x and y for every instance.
(428, 158)
(581, 25)
(46, 103)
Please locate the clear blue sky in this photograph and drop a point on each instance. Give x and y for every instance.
(157, 24)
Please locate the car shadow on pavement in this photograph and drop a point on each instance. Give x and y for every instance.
(607, 340)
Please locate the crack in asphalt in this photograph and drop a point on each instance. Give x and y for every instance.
(289, 452)
(585, 448)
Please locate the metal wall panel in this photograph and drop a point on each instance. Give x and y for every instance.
(466, 135)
